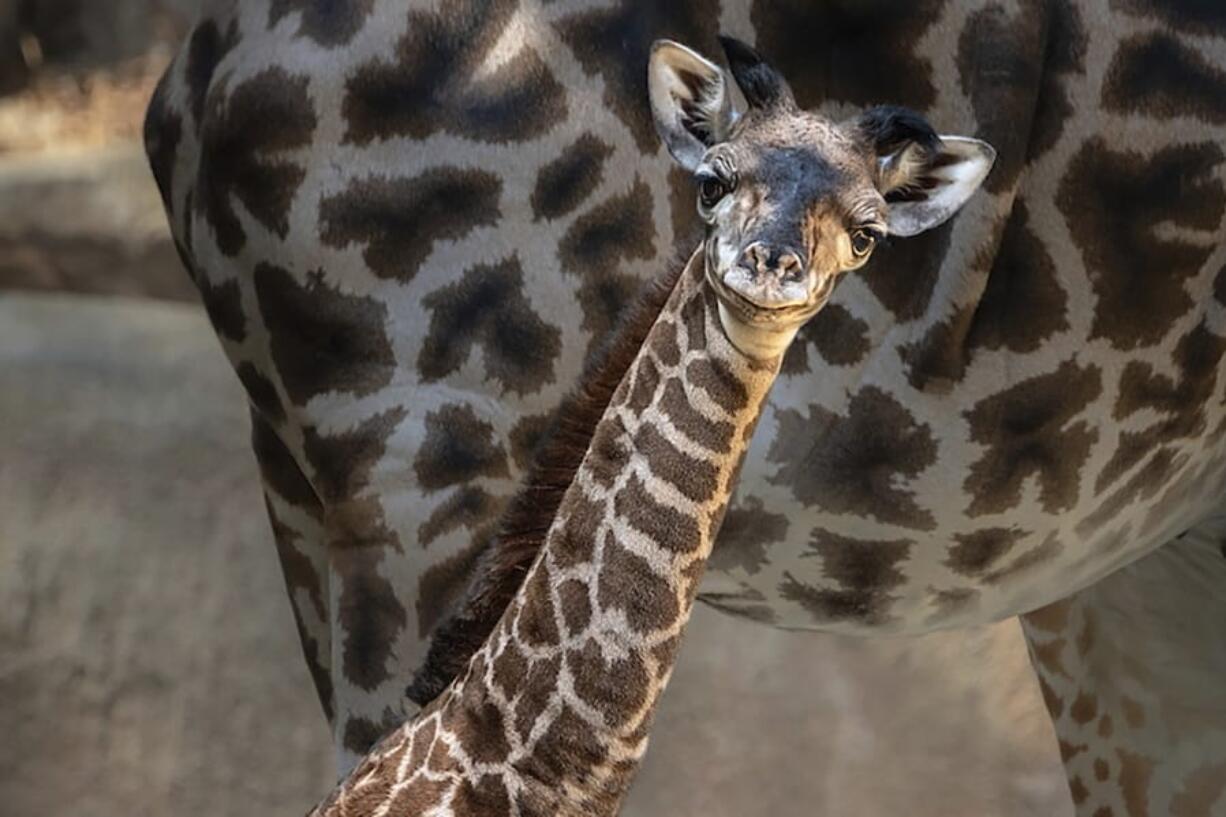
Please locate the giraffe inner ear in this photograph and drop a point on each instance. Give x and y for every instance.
(928, 188)
(924, 177)
(689, 101)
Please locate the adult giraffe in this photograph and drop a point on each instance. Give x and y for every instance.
(402, 217)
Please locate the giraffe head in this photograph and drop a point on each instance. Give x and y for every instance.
(793, 200)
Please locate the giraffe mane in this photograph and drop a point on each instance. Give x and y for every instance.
(502, 566)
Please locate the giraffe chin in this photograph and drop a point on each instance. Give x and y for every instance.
(764, 330)
(761, 341)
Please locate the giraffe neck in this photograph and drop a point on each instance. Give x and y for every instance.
(552, 713)
(597, 621)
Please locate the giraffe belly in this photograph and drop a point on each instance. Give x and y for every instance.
(866, 551)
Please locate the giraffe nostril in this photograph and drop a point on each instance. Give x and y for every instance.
(757, 257)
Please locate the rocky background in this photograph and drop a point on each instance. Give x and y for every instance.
(148, 661)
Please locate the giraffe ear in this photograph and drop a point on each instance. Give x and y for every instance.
(690, 101)
(925, 178)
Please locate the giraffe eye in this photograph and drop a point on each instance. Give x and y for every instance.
(862, 241)
(711, 189)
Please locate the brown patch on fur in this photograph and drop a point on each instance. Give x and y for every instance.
(1085, 639)
(617, 687)
(1053, 702)
(1201, 790)
(1068, 751)
(978, 551)
(1135, 773)
(522, 533)
(1049, 657)
(1134, 715)
(537, 689)
(488, 797)
(1078, 790)
(1085, 708)
(1051, 619)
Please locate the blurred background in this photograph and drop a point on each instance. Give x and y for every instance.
(148, 659)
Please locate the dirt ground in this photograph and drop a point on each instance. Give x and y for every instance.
(148, 661)
(78, 212)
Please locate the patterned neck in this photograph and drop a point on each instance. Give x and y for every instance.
(554, 710)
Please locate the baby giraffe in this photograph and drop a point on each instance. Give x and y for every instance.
(550, 715)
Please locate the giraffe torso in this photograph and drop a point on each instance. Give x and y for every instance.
(410, 221)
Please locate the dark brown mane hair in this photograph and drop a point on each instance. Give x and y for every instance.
(501, 568)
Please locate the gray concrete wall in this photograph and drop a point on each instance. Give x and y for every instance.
(149, 666)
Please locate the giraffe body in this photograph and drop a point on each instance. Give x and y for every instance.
(991, 418)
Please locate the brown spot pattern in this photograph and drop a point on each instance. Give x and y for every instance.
(1029, 432)
(368, 612)
(329, 23)
(856, 464)
(430, 84)
(206, 49)
(1135, 774)
(866, 49)
(1040, 554)
(1188, 15)
(537, 625)
(469, 507)
(903, 275)
(576, 606)
(1000, 74)
(975, 553)
(594, 247)
(646, 598)
(279, 470)
(1063, 58)
(666, 526)
(1155, 474)
(563, 184)
(369, 615)
(694, 478)
(617, 687)
(1180, 402)
(713, 435)
(163, 130)
(458, 448)
(1023, 304)
(261, 392)
(748, 531)
(487, 307)
(840, 338)
(1113, 202)
(488, 797)
(321, 339)
(361, 734)
(241, 137)
(719, 383)
(400, 219)
(615, 43)
(608, 453)
(224, 304)
(1155, 74)
(865, 571)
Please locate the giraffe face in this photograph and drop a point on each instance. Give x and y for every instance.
(792, 200)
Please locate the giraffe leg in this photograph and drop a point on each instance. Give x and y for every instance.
(1133, 670)
(297, 526)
